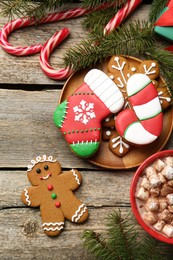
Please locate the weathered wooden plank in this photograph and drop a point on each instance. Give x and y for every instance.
(22, 236)
(26, 70)
(27, 129)
(93, 191)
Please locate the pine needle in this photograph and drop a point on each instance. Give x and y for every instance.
(128, 40)
(156, 8)
(123, 242)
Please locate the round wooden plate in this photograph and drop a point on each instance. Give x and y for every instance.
(104, 157)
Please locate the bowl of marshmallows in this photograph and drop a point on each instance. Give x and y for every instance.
(151, 195)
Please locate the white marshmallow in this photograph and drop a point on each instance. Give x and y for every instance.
(159, 225)
(168, 172)
(142, 194)
(168, 230)
(170, 199)
(159, 165)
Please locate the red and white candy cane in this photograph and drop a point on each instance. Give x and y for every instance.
(47, 49)
(25, 22)
(128, 8)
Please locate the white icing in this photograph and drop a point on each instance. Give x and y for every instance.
(137, 134)
(84, 112)
(112, 77)
(79, 212)
(105, 89)
(149, 109)
(120, 68)
(133, 69)
(117, 141)
(52, 226)
(136, 83)
(108, 133)
(149, 71)
(27, 197)
(39, 159)
(107, 119)
(76, 177)
(46, 177)
(168, 99)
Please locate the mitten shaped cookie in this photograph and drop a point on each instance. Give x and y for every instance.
(52, 191)
(79, 117)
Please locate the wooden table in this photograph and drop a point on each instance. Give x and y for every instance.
(27, 101)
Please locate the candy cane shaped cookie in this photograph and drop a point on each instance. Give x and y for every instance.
(143, 124)
(47, 49)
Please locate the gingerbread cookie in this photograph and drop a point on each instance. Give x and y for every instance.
(52, 192)
(143, 124)
(118, 145)
(109, 121)
(120, 70)
(165, 97)
(107, 133)
(79, 117)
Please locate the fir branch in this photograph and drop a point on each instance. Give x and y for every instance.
(165, 60)
(123, 241)
(96, 3)
(37, 9)
(127, 40)
(156, 9)
(96, 21)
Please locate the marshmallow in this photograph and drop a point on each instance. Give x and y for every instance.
(169, 160)
(168, 230)
(161, 178)
(149, 171)
(168, 172)
(150, 218)
(142, 194)
(159, 225)
(145, 183)
(154, 181)
(152, 204)
(166, 216)
(159, 165)
(170, 199)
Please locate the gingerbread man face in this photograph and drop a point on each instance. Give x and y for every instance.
(52, 191)
(43, 170)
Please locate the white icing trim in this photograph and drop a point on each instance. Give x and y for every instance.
(56, 226)
(149, 109)
(39, 159)
(136, 83)
(53, 229)
(52, 224)
(117, 141)
(76, 177)
(137, 134)
(27, 197)
(105, 89)
(79, 214)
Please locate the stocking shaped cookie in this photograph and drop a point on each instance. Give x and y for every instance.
(79, 117)
(52, 191)
(143, 124)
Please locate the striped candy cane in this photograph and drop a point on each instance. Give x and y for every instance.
(143, 124)
(25, 22)
(47, 49)
(127, 9)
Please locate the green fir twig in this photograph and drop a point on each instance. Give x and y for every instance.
(126, 40)
(122, 241)
(96, 3)
(156, 8)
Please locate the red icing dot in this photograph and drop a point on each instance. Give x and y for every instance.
(50, 187)
(57, 204)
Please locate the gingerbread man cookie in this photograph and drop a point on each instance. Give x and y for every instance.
(52, 191)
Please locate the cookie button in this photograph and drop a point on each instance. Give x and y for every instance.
(54, 196)
(57, 204)
(50, 187)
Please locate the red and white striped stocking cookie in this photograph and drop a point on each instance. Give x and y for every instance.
(79, 117)
(143, 124)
